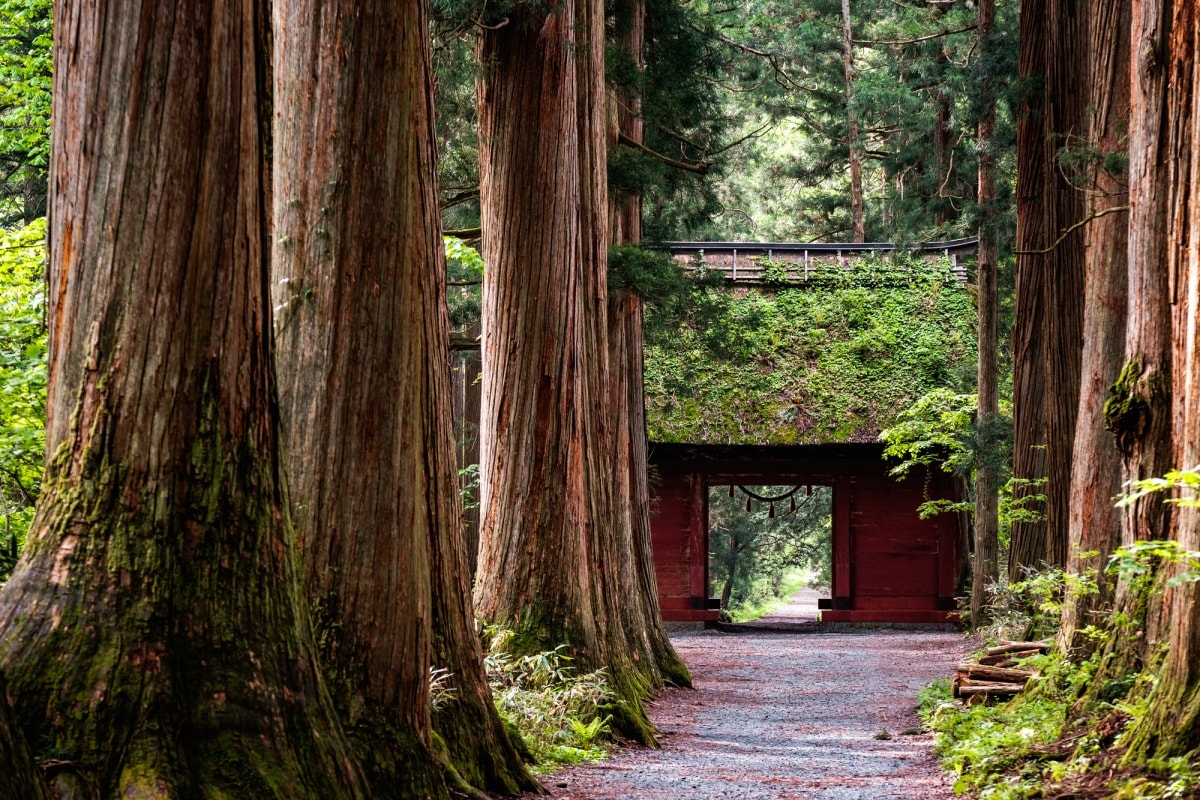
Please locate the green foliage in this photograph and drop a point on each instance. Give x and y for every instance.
(1186, 481)
(992, 749)
(25, 89)
(931, 697)
(22, 383)
(935, 430)
(1068, 728)
(1137, 563)
(559, 713)
(464, 275)
(1031, 608)
(651, 274)
(806, 365)
(912, 85)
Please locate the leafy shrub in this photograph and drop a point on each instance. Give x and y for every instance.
(558, 712)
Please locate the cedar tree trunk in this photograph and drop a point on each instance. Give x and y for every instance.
(625, 332)
(1171, 725)
(1139, 408)
(987, 545)
(155, 632)
(1095, 522)
(1029, 380)
(1066, 77)
(364, 373)
(855, 149)
(551, 544)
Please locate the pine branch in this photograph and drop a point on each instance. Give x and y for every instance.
(1070, 230)
(930, 37)
(700, 167)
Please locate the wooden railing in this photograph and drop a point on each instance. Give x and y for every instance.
(748, 262)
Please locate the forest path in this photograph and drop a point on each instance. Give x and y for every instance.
(785, 716)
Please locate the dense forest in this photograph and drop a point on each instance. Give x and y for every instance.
(244, 552)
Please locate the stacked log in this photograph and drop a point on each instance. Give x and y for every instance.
(996, 674)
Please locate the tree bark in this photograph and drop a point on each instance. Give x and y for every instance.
(1170, 726)
(1139, 410)
(1066, 75)
(857, 225)
(552, 544)
(155, 633)
(628, 398)
(1029, 380)
(987, 544)
(1095, 522)
(363, 343)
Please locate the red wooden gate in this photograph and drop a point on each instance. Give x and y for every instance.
(889, 565)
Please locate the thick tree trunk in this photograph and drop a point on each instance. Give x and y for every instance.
(1066, 206)
(628, 399)
(1095, 522)
(1029, 380)
(551, 541)
(1139, 410)
(633, 491)
(155, 633)
(1171, 726)
(987, 545)
(363, 359)
(857, 224)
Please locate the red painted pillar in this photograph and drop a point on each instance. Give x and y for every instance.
(843, 594)
(698, 540)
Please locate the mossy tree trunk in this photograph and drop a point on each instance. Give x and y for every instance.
(552, 543)
(626, 348)
(1141, 406)
(1095, 522)
(364, 363)
(1171, 725)
(156, 639)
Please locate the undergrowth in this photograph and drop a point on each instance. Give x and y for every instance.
(1065, 735)
(558, 711)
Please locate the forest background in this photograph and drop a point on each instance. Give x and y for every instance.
(800, 121)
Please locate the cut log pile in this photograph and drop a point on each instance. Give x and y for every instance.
(997, 673)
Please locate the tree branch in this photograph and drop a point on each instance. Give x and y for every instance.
(458, 199)
(917, 40)
(700, 168)
(1070, 230)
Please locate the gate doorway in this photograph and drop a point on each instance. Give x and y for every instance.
(767, 543)
(888, 564)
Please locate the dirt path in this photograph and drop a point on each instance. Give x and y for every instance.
(785, 716)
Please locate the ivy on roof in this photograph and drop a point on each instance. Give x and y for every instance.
(789, 364)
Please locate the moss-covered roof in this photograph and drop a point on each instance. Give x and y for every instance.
(806, 365)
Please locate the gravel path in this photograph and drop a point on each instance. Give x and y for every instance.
(785, 716)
